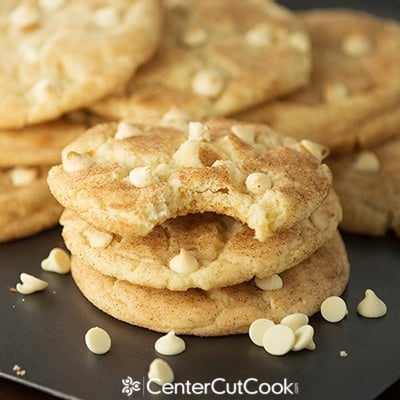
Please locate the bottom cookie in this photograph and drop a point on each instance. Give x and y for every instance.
(224, 311)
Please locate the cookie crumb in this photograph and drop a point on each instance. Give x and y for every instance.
(18, 370)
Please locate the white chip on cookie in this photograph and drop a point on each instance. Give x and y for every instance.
(356, 44)
(22, 176)
(143, 176)
(194, 36)
(125, 130)
(184, 262)
(73, 161)
(366, 161)
(259, 36)
(258, 183)
(25, 15)
(208, 82)
(106, 17)
(272, 282)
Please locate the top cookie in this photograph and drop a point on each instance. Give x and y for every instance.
(354, 94)
(216, 58)
(127, 178)
(64, 54)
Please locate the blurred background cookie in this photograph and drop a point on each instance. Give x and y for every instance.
(26, 156)
(368, 183)
(354, 94)
(216, 58)
(62, 55)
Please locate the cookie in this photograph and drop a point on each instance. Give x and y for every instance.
(223, 311)
(368, 183)
(216, 58)
(26, 155)
(62, 55)
(128, 185)
(353, 98)
(226, 251)
(39, 144)
(26, 204)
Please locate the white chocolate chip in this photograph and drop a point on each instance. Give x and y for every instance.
(272, 282)
(343, 353)
(208, 83)
(371, 306)
(245, 133)
(25, 16)
(98, 239)
(356, 45)
(198, 132)
(22, 176)
(51, 5)
(258, 183)
(142, 177)
(187, 154)
(259, 36)
(45, 89)
(304, 338)
(366, 161)
(74, 161)
(160, 372)
(336, 91)
(170, 344)
(30, 284)
(278, 340)
(184, 262)
(295, 321)
(175, 113)
(333, 309)
(97, 340)
(125, 130)
(194, 36)
(57, 261)
(317, 150)
(106, 17)
(28, 52)
(319, 218)
(257, 330)
(299, 41)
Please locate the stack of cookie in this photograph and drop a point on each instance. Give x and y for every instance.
(58, 56)
(352, 106)
(26, 203)
(199, 227)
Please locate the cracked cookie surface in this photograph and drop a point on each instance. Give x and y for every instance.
(164, 169)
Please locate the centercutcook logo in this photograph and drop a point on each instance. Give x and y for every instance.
(218, 386)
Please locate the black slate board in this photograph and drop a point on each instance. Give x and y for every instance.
(43, 333)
